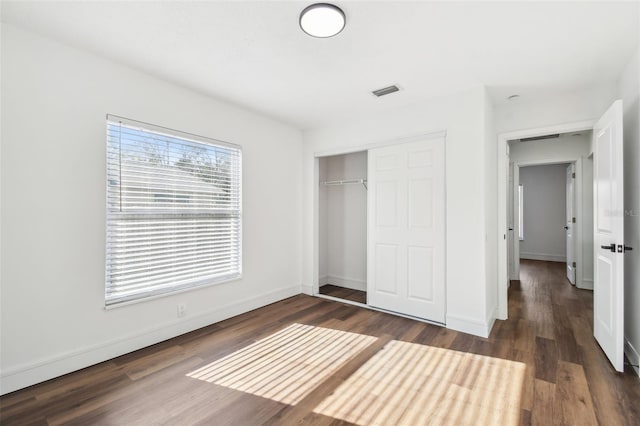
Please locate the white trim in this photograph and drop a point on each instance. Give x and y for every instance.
(377, 144)
(323, 280)
(469, 325)
(307, 289)
(316, 227)
(350, 283)
(503, 180)
(347, 301)
(373, 308)
(31, 373)
(491, 319)
(544, 256)
(575, 126)
(587, 284)
(213, 282)
(632, 355)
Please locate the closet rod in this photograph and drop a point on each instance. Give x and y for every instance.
(345, 182)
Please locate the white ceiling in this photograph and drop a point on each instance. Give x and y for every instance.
(254, 54)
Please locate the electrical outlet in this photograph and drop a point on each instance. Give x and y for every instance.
(182, 310)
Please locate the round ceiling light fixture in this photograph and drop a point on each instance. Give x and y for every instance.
(322, 20)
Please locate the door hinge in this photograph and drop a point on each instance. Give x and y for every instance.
(574, 220)
(573, 175)
(574, 264)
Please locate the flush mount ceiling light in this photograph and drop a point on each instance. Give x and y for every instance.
(322, 20)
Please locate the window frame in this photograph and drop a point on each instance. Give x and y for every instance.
(111, 301)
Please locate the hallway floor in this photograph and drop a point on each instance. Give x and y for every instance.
(550, 327)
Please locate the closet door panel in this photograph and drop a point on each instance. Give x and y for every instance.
(386, 260)
(406, 210)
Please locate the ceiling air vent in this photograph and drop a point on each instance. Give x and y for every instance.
(385, 90)
(539, 138)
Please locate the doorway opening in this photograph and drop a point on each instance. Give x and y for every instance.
(550, 204)
(342, 202)
(608, 222)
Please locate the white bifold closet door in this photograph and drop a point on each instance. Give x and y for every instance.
(406, 229)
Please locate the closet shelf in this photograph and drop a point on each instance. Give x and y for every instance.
(345, 182)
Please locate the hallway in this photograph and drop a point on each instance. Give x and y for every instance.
(570, 381)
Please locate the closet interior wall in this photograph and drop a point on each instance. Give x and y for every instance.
(343, 221)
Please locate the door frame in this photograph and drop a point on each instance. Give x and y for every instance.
(571, 183)
(503, 182)
(315, 288)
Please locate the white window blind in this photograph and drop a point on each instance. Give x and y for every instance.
(173, 211)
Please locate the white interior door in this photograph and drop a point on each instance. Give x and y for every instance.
(608, 324)
(570, 225)
(406, 223)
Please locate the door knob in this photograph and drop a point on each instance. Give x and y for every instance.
(611, 247)
(627, 248)
(566, 228)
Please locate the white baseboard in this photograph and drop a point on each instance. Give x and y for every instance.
(307, 289)
(323, 280)
(39, 371)
(587, 284)
(469, 325)
(351, 283)
(632, 355)
(543, 256)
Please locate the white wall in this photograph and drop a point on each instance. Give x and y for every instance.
(462, 117)
(346, 222)
(544, 212)
(54, 102)
(588, 104)
(629, 92)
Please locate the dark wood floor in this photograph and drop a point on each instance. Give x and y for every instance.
(566, 377)
(344, 293)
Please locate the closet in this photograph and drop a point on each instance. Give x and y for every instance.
(381, 227)
(343, 226)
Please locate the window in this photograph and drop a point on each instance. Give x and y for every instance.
(520, 213)
(173, 211)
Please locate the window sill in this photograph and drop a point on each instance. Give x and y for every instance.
(205, 284)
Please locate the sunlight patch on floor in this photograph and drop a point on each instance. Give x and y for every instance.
(411, 384)
(287, 365)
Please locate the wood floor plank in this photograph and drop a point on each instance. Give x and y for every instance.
(543, 403)
(344, 293)
(524, 338)
(546, 358)
(573, 403)
(528, 391)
